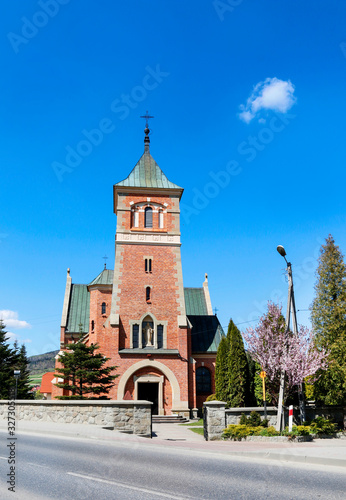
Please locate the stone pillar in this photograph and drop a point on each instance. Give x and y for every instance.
(214, 419)
(142, 419)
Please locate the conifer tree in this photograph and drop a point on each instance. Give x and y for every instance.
(221, 370)
(328, 316)
(21, 363)
(7, 359)
(84, 372)
(237, 368)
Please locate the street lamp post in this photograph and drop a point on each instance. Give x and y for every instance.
(291, 308)
(16, 376)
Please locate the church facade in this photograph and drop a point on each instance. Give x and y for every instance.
(161, 336)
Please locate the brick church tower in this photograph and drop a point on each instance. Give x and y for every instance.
(162, 338)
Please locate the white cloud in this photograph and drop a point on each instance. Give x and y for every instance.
(273, 94)
(14, 336)
(10, 319)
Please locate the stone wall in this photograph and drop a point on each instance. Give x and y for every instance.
(336, 413)
(217, 418)
(132, 417)
(233, 414)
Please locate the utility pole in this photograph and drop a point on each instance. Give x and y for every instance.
(291, 309)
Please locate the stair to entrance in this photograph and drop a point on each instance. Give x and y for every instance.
(168, 419)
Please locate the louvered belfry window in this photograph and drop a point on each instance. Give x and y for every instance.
(148, 217)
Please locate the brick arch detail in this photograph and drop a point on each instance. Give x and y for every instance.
(150, 364)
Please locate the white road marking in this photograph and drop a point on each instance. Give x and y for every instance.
(122, 485)
(38, 465)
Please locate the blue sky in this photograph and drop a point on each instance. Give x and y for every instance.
(249, 105)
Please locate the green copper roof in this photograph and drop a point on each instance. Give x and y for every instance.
(206, 333)
(195, 301)
(104, 278)
(147, 173)
(78, 309)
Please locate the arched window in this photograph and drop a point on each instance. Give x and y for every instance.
(103, 308)
(148, 217)
(203, 380)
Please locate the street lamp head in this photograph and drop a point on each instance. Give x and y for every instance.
(281, 250)
(16, 373)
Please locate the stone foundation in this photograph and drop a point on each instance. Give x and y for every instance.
(133, 417)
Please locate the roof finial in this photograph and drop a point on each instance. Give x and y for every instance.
(105, 258)
(147, 132)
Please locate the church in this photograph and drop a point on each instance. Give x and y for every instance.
(161, 336)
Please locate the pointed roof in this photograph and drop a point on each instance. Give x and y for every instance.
(104, 278)
(147, 173)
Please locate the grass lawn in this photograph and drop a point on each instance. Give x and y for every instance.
(196, 427)
(194, 424)
(197, 430)
(35, 379)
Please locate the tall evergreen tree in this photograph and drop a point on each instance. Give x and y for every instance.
(7, 359)
(84, 372)
(328, 316)
(21, 363)
(238, 371)
(221, 370)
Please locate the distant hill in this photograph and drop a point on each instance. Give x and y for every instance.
(42, 362)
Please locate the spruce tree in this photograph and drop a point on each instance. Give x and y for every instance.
(237, 368)
(84, 372)
(7, 360)
(328, 316)
(221, 370)
(21, 363)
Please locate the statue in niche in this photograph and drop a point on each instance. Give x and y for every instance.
(148, 335)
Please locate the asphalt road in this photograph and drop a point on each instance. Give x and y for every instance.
(81, 469)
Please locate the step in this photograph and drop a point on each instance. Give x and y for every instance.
(168, 419)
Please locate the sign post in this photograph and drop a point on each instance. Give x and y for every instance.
(263, 377)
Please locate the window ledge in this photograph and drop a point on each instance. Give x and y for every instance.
(147, 350)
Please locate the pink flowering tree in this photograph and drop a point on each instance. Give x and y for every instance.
(274, 350)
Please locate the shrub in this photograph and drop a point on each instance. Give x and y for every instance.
(255, 419)
(265, 422)
(321, 425)
(243, 419)
(237, 432)
(212, 397)
(270, 431)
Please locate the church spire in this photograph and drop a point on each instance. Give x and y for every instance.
(147, 132)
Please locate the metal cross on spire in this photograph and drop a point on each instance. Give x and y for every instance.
(147, 117)
(146, 131)
(105, 259)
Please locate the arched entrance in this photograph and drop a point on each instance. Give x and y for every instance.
(150, 388)
(177, 404)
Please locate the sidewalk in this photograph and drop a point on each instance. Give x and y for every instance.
(329, 452)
